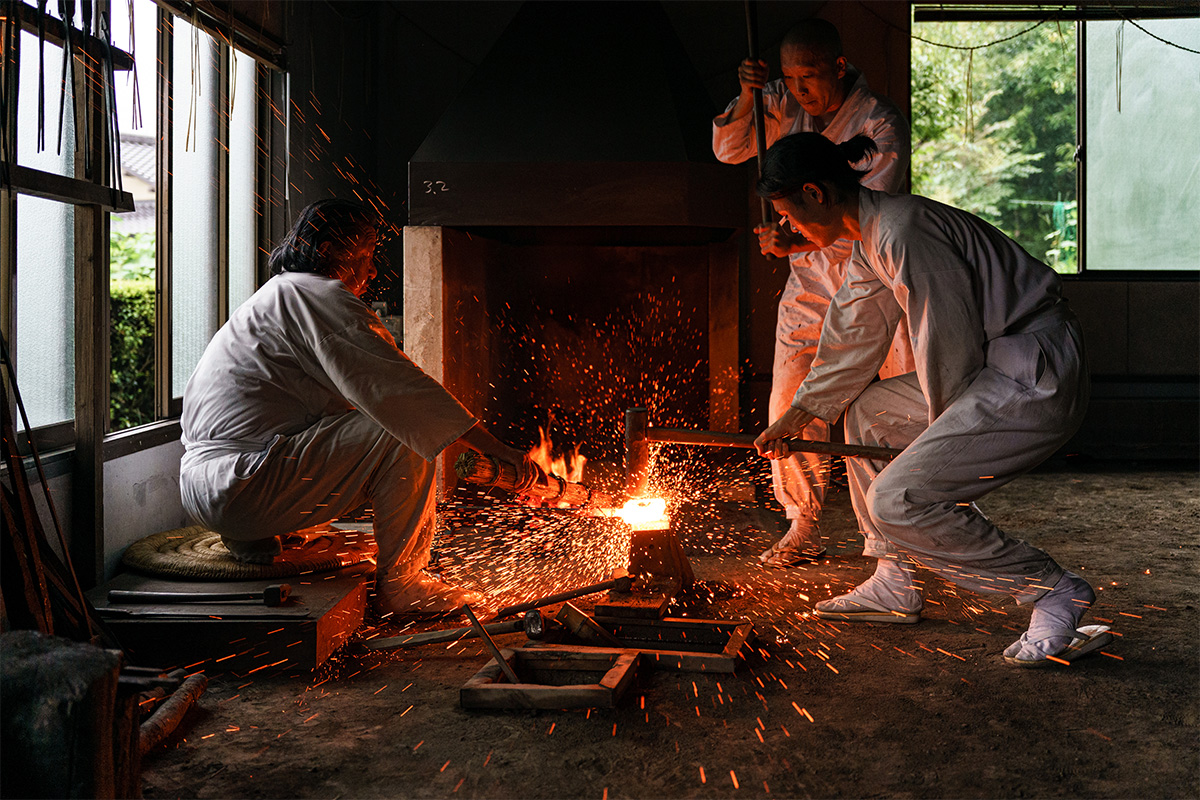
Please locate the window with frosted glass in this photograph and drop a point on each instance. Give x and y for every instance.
(243, 145)
(195, 98)
(45, 336)
(1141, 149)
(43, 68)
(44, 339)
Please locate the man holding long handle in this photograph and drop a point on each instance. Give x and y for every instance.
(819, 92)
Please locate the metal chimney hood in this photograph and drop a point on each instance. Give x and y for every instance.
(583, 114)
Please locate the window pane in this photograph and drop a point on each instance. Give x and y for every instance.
(195, 183)
(48, 159)
(132, 239)
(243, 144)
(138, 39)
(1141, 151)
(994, 132)
(45, 335)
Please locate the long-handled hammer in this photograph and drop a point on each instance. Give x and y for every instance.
(638, 435)
(274, 595)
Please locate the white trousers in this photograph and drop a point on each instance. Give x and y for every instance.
(316, 476)
(1027, 401)
(800, 480)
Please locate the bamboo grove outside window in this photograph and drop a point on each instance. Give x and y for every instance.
(1075, 137)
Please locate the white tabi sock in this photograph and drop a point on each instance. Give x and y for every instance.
(1054, 620)
(891, 588)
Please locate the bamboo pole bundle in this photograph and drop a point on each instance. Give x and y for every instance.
(485, 470)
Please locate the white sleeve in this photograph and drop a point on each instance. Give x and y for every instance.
(734, 140)
(889, 169)
(855, 341)
(385, 385)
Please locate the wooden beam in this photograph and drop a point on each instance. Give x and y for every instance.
(220, 22)
(92, 377)
(27, 18)
(63, 189)
(91, 392)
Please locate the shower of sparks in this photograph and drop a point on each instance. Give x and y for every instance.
(555, 357)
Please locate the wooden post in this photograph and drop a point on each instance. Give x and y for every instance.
(724, 347)
(91, 338)
(637, 452)
(446, 330)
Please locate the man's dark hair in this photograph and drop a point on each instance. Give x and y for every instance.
(811, 158)
(320, 222)
(815, 35)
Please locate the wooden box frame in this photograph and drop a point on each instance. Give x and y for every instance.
(718, 642)
(618, 667)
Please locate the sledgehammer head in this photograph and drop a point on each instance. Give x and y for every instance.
(276, 594)
(622, 582)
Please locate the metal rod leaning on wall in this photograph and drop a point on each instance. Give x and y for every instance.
(760, 130)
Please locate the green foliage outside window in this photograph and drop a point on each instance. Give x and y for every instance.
(131, 343)
(994, 129)
(131, 339)
(131, 256)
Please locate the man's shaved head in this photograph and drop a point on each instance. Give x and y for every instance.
(815, 36)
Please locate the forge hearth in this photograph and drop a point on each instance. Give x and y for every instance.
(523, 332)
(573, 246)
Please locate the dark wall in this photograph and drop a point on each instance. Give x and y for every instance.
(333, 89)
(370, 79)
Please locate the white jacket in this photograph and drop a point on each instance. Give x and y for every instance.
(303, 348)
(863, 112)
(960, 282)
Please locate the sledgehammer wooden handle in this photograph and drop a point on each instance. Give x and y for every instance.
(745, 440)
(620, 582)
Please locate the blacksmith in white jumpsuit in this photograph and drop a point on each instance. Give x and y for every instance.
(819, 92)
(302, 409)
(1000, 385)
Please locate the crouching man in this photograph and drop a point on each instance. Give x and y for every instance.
(302, 409)
(1000, 384)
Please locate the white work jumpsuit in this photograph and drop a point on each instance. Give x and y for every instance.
(800, 480)
(301, 410)
(1000, 385)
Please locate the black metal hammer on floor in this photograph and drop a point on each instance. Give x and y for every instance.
(273, 595)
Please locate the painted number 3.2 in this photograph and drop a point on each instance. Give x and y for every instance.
(434, 187)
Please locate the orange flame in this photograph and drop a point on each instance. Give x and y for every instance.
(645, 513)
(568, 467)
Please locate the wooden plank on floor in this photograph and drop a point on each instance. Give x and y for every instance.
(239, 637)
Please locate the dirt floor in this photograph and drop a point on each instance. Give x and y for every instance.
(815, 709)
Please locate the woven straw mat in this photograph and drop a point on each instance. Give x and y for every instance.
(196, 552)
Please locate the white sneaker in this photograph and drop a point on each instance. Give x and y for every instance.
(423, 596)
(887, 596)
